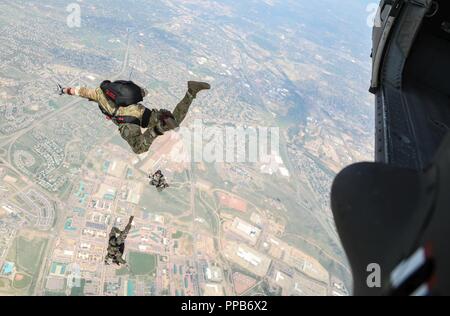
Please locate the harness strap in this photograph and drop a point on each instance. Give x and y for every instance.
(146, 118)
(128, 119)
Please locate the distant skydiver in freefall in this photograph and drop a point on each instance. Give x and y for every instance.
(116, 244)
(120, 102)
(158, 180)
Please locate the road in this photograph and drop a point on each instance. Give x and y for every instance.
(194, 223)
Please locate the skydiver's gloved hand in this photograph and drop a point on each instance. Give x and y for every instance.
(62, 91)
(59, 89)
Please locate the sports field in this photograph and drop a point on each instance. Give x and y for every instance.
(27, 253)
(142, 263)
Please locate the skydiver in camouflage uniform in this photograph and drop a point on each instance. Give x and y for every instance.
(116, 244)
(157, 122)
(159, 181)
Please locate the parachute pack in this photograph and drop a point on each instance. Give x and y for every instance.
(122, 93)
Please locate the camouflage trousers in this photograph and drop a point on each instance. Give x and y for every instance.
(115, 258)
(141, 142)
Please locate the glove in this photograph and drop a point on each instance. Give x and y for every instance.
(60, 89)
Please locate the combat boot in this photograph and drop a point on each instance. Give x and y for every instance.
(120, 260)
(195, 87)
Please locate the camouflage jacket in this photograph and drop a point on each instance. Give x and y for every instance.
(112, 111)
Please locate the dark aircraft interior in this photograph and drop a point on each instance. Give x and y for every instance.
(397, 209)
(413, 114)
(426, 84)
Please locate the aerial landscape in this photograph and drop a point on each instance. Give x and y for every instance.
(296, 70)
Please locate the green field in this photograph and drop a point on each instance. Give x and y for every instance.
(122, 271)
(22, 284)
(78, 291)
(177, 235)
(142, 263)
(27, 253)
